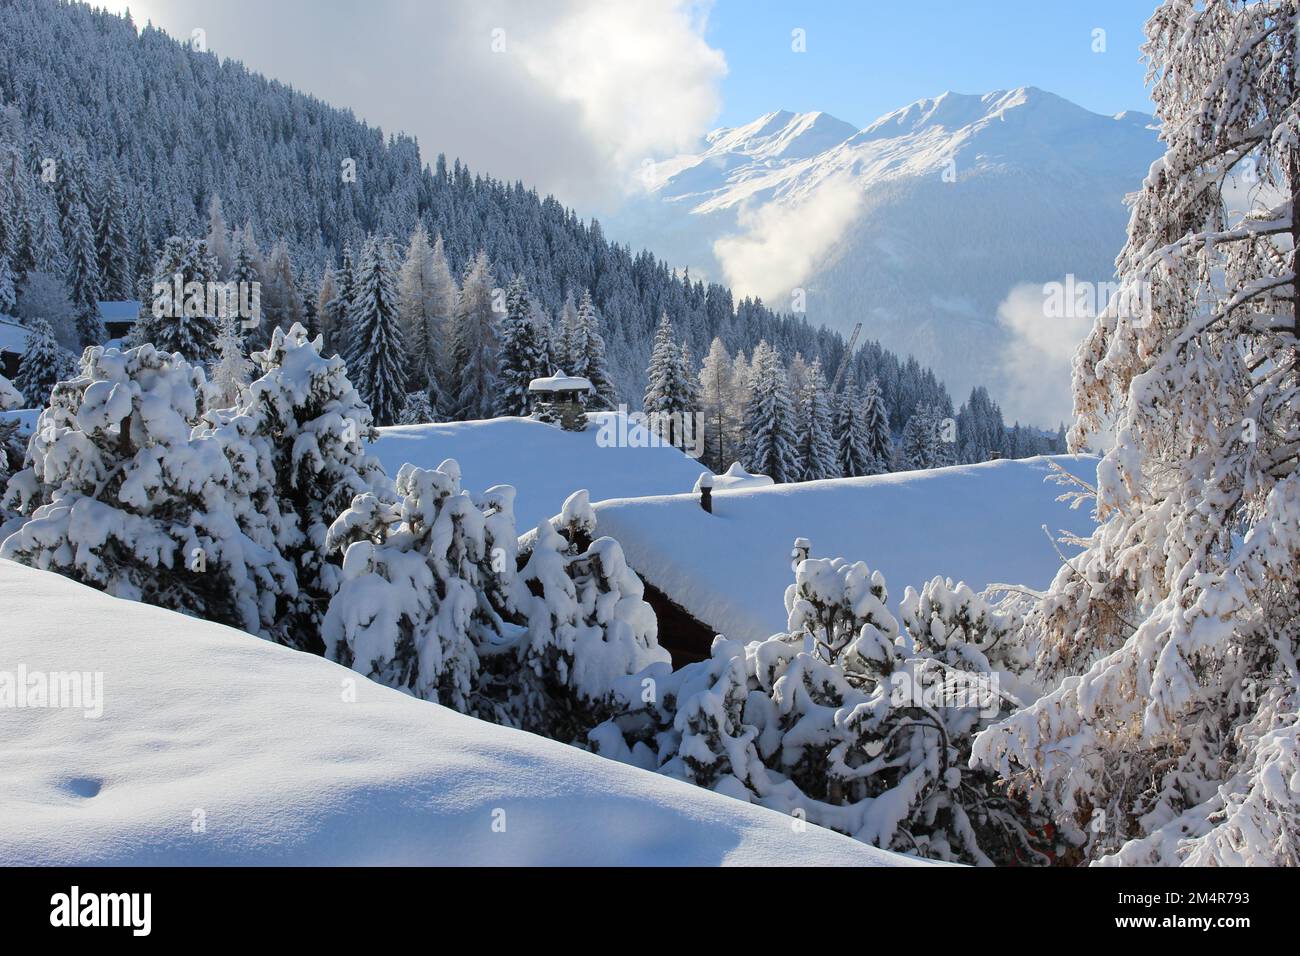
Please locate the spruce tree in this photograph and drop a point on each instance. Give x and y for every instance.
(668, 390)
(879, 440)
(43, 364)
(113, 242)
(181, 324)
(376, 362)
(817, 447)
(770, 444)
(588, 347)
(853, 439)
(84, 273)
(520, 351)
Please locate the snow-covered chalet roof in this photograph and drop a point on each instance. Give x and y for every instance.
(560, 382)
(729, 570)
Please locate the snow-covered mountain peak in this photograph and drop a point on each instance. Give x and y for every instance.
(782, 135)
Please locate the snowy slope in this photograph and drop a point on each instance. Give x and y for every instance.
(924, 263)
(543, 462)
(977, 523)
(201, 722)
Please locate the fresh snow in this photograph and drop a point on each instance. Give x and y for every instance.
(981, 524)
(215, 747)
(543, 462)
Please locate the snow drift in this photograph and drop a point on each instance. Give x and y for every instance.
(215, 747)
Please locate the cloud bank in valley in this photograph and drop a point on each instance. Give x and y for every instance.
(1035, 368)
(779, 244)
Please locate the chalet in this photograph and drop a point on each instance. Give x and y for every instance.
(724, 568)
(561, 398)
(13, 342)
(118, 317)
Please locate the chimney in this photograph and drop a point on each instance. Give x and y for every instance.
(706, 491)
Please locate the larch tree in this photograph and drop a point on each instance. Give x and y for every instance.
(423, 307)
(718, 405)
(474, 342)
(1173, 733)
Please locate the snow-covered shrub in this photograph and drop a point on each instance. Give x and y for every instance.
(417, 410)
(413, 604)
(1173, 732)
(846, 720)
(10, 397)
(589, 629)
(303, 416)
(433, 601)
(126, 491)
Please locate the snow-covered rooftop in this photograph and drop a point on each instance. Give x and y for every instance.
(127, 310)
(729, 569)
(263, 746)
(13, 337)
(560, 383)
(545, 464)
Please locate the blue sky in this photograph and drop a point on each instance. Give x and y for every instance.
(867, 58)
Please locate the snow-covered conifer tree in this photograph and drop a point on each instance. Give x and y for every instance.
(879, 440)
(920, 445)
(124, 492)
(376, 362)
(231, 370)
(668, 389)
(305, 418)
(853, 441)
(113, 242)
(417, 410)
(848, 719)
(424, 310)
(817, 447)
(588, 347)
(718, 405)
(179, 320)
(521, 354)
(83, 261)
(44, 363)
(770, 440)
(412, 602)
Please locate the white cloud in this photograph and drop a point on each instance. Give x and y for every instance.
(1036, 363)
(582, 91)
(780, 243)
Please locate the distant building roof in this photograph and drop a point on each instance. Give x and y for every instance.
(13, 337)
(560, 383)
(125, 311)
